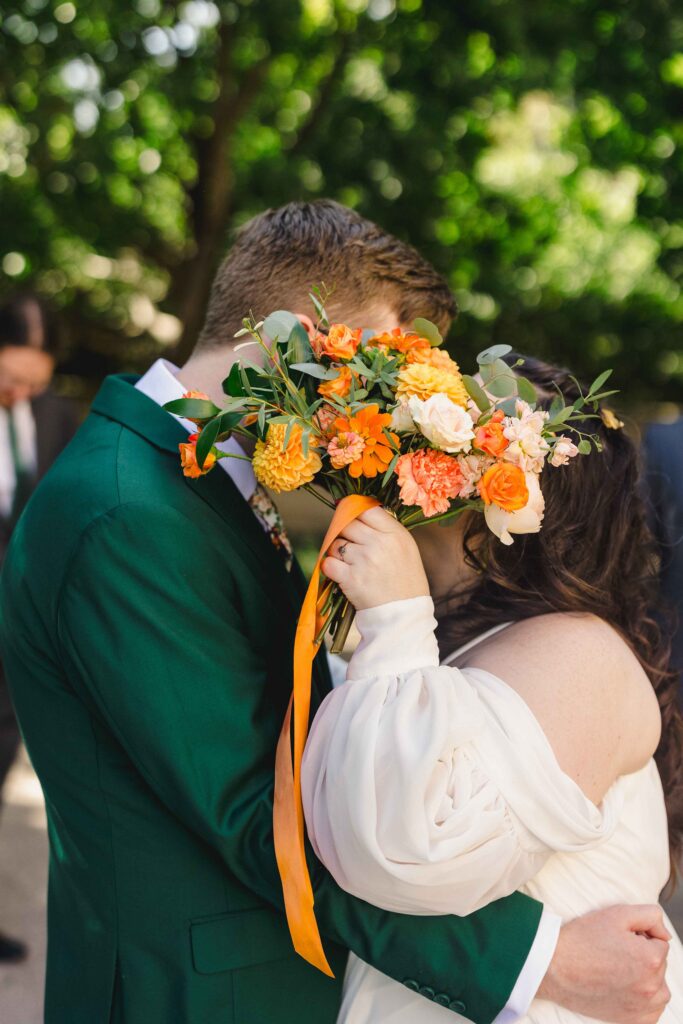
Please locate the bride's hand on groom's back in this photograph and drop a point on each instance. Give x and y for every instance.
(375, 561)
(611, 964)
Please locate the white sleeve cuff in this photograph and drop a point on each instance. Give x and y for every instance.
(396, 638)
(534, 971)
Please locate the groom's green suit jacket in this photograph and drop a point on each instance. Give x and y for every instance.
(147, 629)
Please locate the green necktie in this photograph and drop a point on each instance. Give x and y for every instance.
(24, 479)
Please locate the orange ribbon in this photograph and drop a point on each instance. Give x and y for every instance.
(288, 812)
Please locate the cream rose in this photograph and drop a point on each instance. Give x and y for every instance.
(448, 426)
(526, 520)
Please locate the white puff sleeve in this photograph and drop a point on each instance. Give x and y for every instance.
(430, 790)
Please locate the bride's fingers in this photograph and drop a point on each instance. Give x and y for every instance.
(379, 519)
(336, 570)
(343, 549)
(358, 532)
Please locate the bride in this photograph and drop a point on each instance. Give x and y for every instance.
(533, 746)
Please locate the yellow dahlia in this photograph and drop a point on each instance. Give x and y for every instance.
(280, 468)
(423, 380)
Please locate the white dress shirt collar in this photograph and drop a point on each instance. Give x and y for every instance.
(161, 384)
(25, 428)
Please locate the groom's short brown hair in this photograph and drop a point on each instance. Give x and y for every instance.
(279, 255)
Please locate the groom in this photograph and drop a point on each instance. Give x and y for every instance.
(147, 631)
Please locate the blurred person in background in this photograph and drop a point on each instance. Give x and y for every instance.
(35, 424)
(664, 459)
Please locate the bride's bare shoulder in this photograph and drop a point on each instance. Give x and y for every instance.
(586, 687)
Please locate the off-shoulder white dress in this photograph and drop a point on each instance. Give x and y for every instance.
(433, 790)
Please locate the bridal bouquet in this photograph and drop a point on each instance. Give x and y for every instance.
(361, 418)
(390, 416)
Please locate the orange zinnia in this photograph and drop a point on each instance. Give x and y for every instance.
(504, 485)
(369, 423)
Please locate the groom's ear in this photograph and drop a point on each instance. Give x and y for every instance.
(306, 323)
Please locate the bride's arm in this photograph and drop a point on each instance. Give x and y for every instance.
(426, 793)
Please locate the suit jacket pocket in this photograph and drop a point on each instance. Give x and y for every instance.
(245, 938)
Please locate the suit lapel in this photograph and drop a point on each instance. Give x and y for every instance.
(119, 400)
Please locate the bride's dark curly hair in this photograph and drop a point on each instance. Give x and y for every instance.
(595, 553)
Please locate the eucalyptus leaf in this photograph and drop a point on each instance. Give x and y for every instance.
(428, 330)
(476, 392)
(509, 406)
(490, 355)
(315, 370)
(279, 325)
(502, 382)
(526, 390)
(298, 345)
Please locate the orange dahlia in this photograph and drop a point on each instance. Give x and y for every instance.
(369, 424)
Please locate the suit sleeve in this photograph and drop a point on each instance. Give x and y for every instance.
(154, 638)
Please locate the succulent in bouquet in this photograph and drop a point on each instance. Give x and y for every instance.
(349, 411)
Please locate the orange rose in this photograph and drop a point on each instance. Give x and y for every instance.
(490, 438)
(204, 398)
(340, 385)
(188, 457)
(504, 485)
(339, 343)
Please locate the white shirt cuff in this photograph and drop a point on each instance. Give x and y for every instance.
(534, 970)
(396, 638)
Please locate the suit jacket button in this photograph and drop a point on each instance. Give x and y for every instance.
(457, 1006)
(412, 984)
(427, 992)
(442, 999)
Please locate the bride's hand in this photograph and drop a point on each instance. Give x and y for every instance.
(375, 561)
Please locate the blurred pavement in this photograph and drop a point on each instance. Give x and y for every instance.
(23, 878)
(23, 872)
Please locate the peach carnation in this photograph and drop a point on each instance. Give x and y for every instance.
(429, 479)
(423, 380)
(284, 469)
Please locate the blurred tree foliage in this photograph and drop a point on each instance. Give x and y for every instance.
(532, 152)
